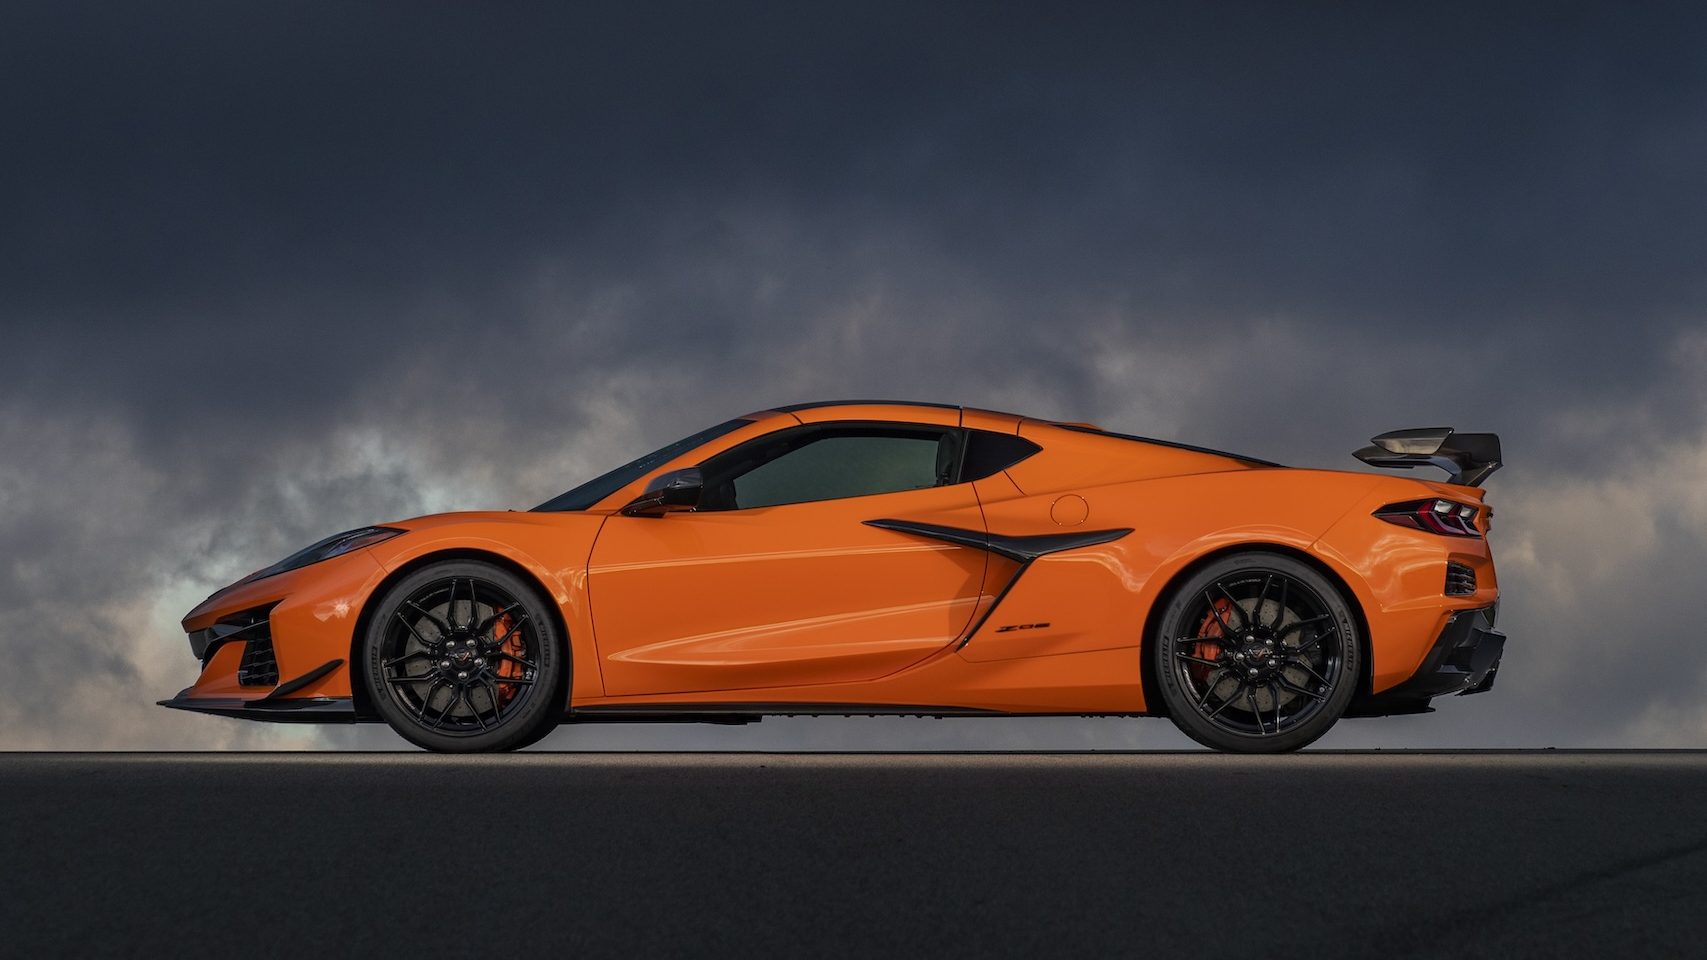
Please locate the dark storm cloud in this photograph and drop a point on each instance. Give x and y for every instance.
(270, 272)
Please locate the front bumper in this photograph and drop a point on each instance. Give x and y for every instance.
(278, 704)
(1463, 660)
(283, 636)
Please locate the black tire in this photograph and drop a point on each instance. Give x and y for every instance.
(1290, 670)
(463, 657)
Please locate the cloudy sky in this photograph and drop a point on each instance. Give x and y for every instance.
(276, 271)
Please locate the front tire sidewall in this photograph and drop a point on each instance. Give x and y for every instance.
(1178, 701)
(534, 719)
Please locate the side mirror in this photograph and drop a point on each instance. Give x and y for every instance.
(668, 493)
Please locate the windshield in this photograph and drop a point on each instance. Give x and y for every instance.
(603, 486)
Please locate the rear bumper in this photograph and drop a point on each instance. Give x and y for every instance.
(1464, 659)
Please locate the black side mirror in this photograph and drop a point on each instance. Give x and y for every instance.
(668, 493)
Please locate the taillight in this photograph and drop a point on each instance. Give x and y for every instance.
(1446, 517)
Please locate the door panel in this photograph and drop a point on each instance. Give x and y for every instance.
(779, 596)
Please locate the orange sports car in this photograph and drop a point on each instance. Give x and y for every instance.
(874, 557)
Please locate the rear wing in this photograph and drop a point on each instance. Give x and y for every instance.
(1468, 457)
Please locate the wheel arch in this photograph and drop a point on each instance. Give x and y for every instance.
(1153, 704)
(358, 680)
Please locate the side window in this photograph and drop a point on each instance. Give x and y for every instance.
(819, 463)
(988, 453)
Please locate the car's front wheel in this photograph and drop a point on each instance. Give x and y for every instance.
(462, 656)
(1257, 653)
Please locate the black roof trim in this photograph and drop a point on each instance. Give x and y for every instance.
(1079, 428)
(815, 404)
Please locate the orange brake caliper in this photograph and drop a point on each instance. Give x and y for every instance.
(505, 626)
(1208, 632)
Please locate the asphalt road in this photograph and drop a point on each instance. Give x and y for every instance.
(1315, 855)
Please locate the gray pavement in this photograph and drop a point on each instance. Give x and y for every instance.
(641, 855)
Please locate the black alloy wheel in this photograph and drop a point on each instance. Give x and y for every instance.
(461, 656)
(1258, 653)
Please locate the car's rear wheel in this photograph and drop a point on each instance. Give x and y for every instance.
(461, 656)
(1257, 653)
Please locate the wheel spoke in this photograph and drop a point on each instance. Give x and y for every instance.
(420, 679)
(517, 660)
(446, 710)
(1226, 630)
(1244, 617)
(421, 714)
(492, 620)
(492, 692)
(1208, 691)
(469, 696)
(1195, 659)
(1262, 597)
(514, 626)
(1225, 703)
(1296, 624)
(473, 608)
(407, 656)
(443, 627)
(1280, 611)
(1314, 640)
(518, 681)
(1304, 665)
(1295, 688)
(1256, 711)
(416, 633)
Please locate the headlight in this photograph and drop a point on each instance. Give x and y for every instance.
(335, 545)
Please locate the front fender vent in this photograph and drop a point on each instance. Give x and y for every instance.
(1460, 579)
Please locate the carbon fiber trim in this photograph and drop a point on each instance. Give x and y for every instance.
(302, 710)
(1021, 548)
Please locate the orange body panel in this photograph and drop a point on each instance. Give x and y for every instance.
(742, 599)
(807, 604)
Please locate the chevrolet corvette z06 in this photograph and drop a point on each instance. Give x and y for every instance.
(872, 557)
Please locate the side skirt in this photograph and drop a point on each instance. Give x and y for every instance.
(738, 713)
(342, 710)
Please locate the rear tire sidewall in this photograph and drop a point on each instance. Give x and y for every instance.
(1182, 709)
(535, 718)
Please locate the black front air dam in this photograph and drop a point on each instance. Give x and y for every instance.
(1464, 659)
(277, 705)
(302, 710)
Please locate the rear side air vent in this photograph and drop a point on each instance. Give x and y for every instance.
(1460, 579)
